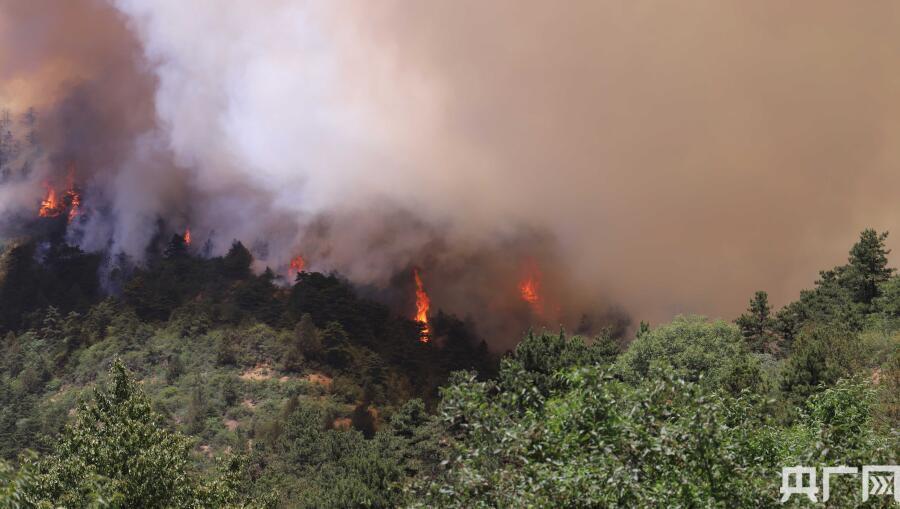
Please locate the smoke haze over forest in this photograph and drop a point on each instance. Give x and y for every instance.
(652, 158)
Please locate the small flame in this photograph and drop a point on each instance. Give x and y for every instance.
(50, 204)
(72, 194)
(530, 288)
(422, 305)
(187, 235)
(297, 265)
(75, 203)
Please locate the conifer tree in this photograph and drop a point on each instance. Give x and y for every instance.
(757, 324)
(868, 266)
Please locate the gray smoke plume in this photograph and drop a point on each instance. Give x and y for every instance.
(669, 158)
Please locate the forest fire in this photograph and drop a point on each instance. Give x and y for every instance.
(530, 288)
(54, 206)
(187, 235)
(297, 265)
(422, 305)
(72, 195)
(74, 203)
(50, 205)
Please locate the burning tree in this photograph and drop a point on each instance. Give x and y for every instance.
(530, 287)
(422, 305)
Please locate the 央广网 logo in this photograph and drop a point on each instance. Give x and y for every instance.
(876, 480)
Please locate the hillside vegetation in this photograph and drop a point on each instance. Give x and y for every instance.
(204, 385)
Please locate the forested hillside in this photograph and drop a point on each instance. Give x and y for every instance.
(197, 383)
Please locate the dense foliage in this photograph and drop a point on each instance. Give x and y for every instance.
(117, 454)
(232, 389)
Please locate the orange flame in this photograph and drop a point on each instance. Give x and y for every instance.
(75, 203)
(50, 204)
(530, 288)
(187, 235)
(53, 205)
(422, 305)
(297, 265)
(73, 196)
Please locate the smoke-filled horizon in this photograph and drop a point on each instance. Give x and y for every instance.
(658, 158)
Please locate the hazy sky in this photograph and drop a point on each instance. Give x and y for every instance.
(683, 154)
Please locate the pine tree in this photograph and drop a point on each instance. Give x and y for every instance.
(292, 360)
(177, 247)
(308, 337)
(644, 328)
(51, 332)
(6, 138)
(757, 325)
(197, 411)
(237, 261)
(29, 120)
(868, 266)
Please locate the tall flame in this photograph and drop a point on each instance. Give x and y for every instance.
(73, 196)
(187, 235)
(422, 305)
(75, 207)
(50, 206)
(530, 288)
(74, 203)
(297, 265)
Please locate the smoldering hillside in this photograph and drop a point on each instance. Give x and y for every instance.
(654, 159)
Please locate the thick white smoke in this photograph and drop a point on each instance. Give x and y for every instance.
(294, 100)
(682, 155)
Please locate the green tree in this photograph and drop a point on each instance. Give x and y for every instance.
(643, 328)
(228, 349)
(338, 351)
(757, 324)
(256, 296)
(230, 391)
(51, 331)
(197, 411)
(308, 337)
(18, 487)
(176, 248)
(306, 342)
(338, 468)
(19, 284)
(420, 435)
(822, 354)
(692, 348)
(887, 304)
(598, 442)
(174, 368)
(120, 441)
(844, 294)
(868, 266)
(72, 332)
(13, 358)
(836, 427)
(237, 261)
(538, 357)
(293, 359)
